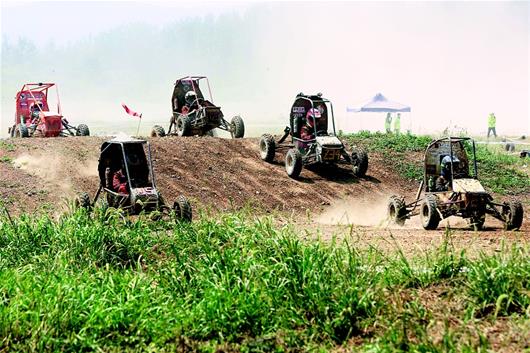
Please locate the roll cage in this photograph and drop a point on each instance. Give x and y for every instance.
(299, 110)
(184, 85)
(455, 148)
(114, 154)
(38, 96)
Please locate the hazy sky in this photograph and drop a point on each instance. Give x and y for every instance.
(70, 21)
(453, 62)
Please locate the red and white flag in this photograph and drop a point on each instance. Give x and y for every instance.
(131, 112)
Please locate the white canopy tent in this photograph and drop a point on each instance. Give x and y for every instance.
(378, 104)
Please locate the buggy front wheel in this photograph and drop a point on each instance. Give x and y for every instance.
(182, 208)
(513, 211)
(267, 147)
(158, 131)
(397, 210)
(359, 161)
(83, 201)
(82, 130)
(183, 125)
(237, 127)
(430, 218)
(293, 163)
(21, 130)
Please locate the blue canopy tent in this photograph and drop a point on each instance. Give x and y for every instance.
(380, 104)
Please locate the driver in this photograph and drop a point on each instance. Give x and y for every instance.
(307, 132)
(119, 182)
(35, 109)
(442, 183)
(191, 101)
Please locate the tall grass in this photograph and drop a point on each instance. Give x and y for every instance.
(99, 282)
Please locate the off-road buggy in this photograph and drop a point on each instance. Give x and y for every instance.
(448, 189)
(127, 181)
(322, 148)
(33, 116)
(198, 116)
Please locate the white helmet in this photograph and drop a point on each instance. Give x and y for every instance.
(190, 97)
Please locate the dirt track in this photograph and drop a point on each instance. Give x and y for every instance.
(219, 174)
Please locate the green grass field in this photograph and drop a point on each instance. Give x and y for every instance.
(237, 282)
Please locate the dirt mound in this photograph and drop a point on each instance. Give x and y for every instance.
(216, 173)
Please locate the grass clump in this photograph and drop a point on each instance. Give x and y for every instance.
(401, 151)
(100, 282)
(500, 172)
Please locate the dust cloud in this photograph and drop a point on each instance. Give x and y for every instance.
(362, 212)
(56, 170)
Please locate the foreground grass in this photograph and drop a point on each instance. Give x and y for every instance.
(498, 171)
(86, 283)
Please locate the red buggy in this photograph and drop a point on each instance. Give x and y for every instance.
(33, 117)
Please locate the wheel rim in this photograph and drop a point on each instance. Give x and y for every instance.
(179, 125)
(264, 149)
(425, 212)
(289, 161)
(355, 162)
(178, 211)
(392, 211)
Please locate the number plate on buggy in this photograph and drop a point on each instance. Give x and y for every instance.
(330, 154)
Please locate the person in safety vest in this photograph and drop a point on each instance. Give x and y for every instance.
(397, 123)
(492, 121)
(388, 123)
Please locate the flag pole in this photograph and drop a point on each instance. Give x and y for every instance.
(138, 129)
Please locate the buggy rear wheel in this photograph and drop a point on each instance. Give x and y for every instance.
(397, 211)
(477, 221)
(293, 163)
(359, 161)
(237, 127)
(514, 215)
(83, 201)
(183, 125)
(21, 130)
(182, 208)
(430, 218)
(267, 146)
(158, 131)
(82, 130)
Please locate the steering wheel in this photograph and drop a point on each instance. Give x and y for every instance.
(197, 101)
(322, 133)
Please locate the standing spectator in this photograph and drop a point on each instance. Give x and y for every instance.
(492, 121)
(397, 123)
(388, 123)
